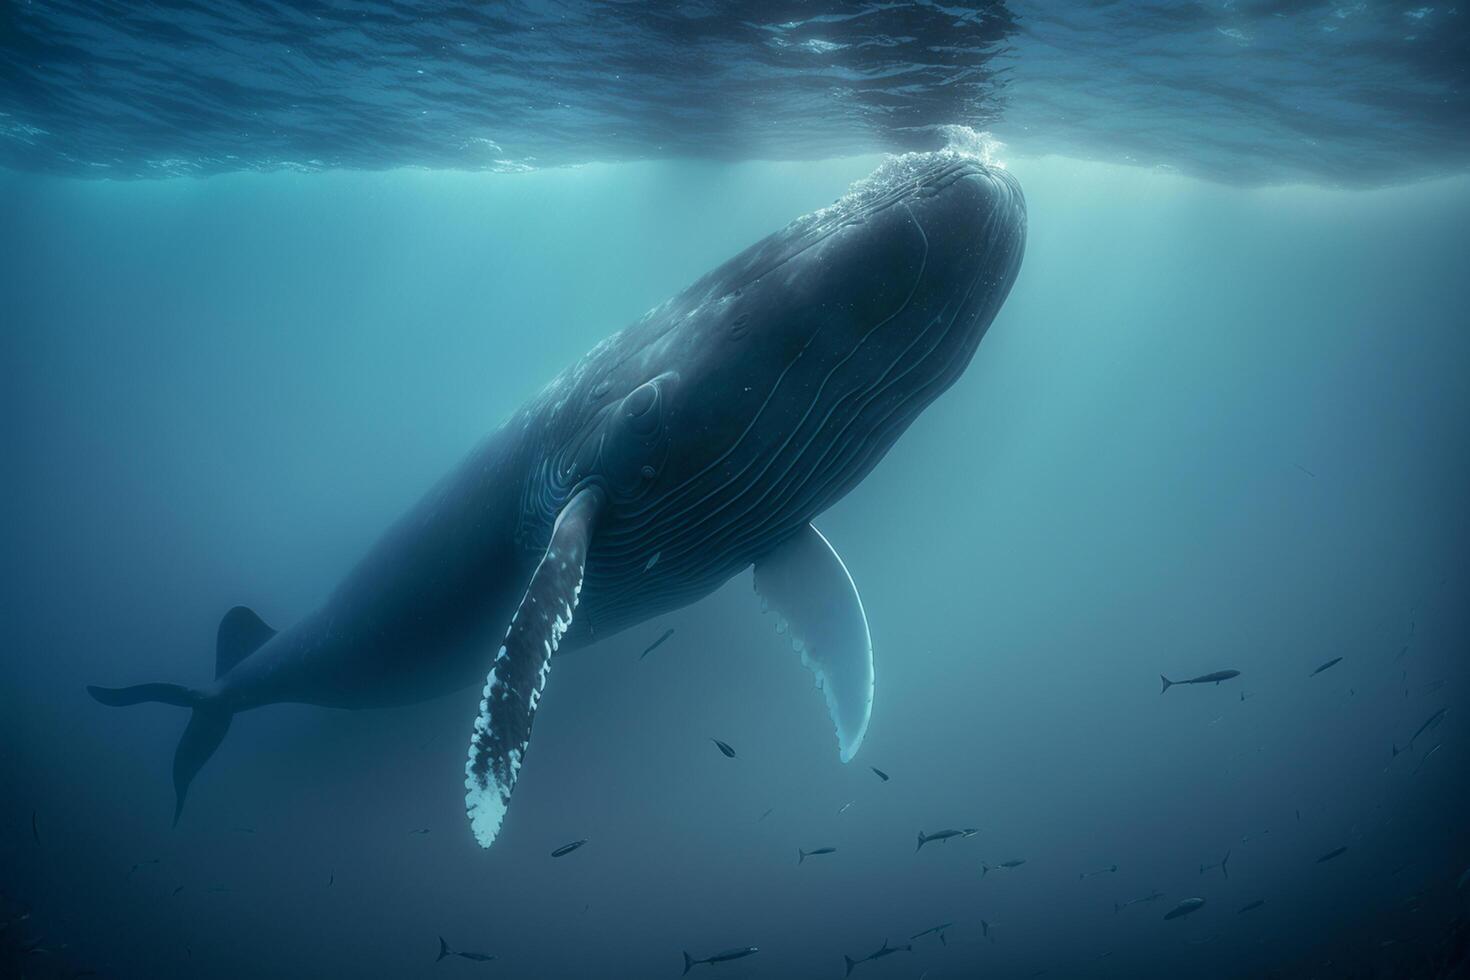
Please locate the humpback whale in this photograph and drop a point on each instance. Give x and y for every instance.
(698, 442)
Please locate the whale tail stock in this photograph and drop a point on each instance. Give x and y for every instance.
(241, 633)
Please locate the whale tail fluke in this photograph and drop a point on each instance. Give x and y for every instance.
(206, 729)
(207, 726)
(122, 697)
(1167, 683)
(241, 633)
(688, 962)
(444, 950)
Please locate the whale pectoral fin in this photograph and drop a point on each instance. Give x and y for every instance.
(814, 599)
(518, 675)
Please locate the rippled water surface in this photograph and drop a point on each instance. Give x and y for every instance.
(1338, 92)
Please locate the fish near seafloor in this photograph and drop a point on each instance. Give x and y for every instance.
(944, 835)
(1185, 908)
(1010, 865)
(1429, 725)
(878, 954)
(710, 433)
(725, 956)
(1214, 677)
(445, 950)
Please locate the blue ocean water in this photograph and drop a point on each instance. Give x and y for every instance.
(1339, 92)
(1219, 423)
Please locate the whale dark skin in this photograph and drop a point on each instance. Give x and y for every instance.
(700, 441)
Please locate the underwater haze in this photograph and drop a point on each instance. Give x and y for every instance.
(1219, 424)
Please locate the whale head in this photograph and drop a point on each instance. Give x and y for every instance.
(805, 357)
(749, 403)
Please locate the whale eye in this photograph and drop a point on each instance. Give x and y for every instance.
(641, 400)
(641, 408)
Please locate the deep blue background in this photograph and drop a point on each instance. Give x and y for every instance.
(1211, 428)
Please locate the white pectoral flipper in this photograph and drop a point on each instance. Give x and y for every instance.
(518, 675)
(814, 598)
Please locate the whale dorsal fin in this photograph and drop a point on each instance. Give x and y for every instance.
(518, 673)
(814, 598)
(241, 633)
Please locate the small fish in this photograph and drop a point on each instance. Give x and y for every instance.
(1100, 871)
(985, 928)
(934, 931)
(1335, 852)
(653, 561)
(1430, 725)
(1184, 908)
(729, 754)
(764, 815)
(331, 878)
(243, 830)
(1251, 906)
(1214, 677)
(420, 831)
(656, 643)
(444, 951)
(738, 953)
(1224, 866)
(879, 773)
(1329, 664)
(845, 807)
(569, 848)
(1464, 879)
(1152, 896)
(178, 889)
(1244, 695)
(882, 951)
(1010, 865)
(803, 855)
(1425, 758)
(944, 835)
